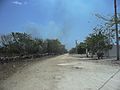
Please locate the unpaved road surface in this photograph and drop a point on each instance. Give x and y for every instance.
(65, 72)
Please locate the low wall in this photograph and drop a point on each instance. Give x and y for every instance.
(112, 52)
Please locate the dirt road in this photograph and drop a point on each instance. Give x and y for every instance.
(65, 72)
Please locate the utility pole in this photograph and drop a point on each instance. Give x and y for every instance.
(76, 47)
(116, 27)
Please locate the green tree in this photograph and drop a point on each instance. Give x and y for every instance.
(55, 46)
(98, 42)
(109, 22)
(72, 51)
(23, 43)
(81, 48)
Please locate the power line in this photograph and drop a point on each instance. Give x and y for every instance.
(116, 27)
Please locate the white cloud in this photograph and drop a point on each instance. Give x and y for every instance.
(19, 3)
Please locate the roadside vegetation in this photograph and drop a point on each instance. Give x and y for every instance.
(17, 45)
(100, 40)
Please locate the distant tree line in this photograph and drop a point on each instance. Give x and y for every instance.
(17, 43)
(79, 49)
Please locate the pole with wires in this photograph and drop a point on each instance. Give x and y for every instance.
(76, 46)
(116, 28)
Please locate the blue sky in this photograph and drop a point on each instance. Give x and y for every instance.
(67, 20)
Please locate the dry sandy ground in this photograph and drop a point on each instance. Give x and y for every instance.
(65, 72)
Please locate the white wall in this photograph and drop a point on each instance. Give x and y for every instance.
(112, 52)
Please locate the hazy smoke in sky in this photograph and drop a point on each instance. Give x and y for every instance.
(33, 29)
(51, 30)
(59, 27)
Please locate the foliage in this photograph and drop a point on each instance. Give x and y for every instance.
(81, 48)
(72, 51)
(54, 46)
(98, 41)
(23, 43)
(110, 22)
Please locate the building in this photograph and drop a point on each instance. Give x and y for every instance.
(112, 52)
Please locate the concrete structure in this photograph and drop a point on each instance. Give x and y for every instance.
(112, 52)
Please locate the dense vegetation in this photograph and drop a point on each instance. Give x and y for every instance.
(98, 42)
(79, 49)
(17, 43)
(101, 39)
